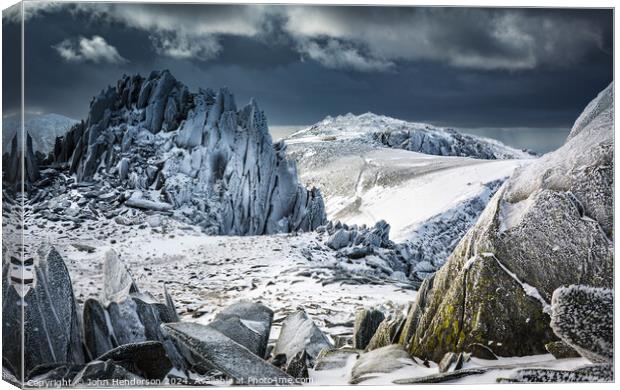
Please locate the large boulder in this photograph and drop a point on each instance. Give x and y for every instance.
(550, 225)
(38, 300)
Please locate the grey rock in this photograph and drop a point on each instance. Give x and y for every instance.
(233, 359)
(366, 323)
(593, 373)
(147, 359)
(330, 359)
(49, 375)
(98, 335)
(247, 323)
(108, 373)
(298, 366)
(583, 318)
(234, 182)
(300, 333)
(117, 281)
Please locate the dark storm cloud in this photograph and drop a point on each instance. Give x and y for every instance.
(450, 66)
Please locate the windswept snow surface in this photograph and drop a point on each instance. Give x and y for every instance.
(363, 183)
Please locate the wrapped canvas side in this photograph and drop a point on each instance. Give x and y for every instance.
(16, 272)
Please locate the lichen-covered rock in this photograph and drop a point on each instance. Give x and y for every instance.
(366, 323)
(300, 333)
(583, 318)
(550, 225)
(416, 310)
(386, 333)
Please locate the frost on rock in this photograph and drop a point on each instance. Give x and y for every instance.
(415, 137)
(583, 318)
(193, 155)
(550, 225)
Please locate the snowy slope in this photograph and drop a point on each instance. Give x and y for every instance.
(362, 184)
(399, 134)
(44, 128)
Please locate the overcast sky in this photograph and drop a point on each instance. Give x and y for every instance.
(458, 67)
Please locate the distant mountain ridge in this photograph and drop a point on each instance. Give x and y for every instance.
(412, 136)
(43, 128)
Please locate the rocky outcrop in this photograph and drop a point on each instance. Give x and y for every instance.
(37, 298)
(193, 154)
(549, 226)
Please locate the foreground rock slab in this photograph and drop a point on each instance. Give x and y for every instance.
(233, 359)
(300, 333)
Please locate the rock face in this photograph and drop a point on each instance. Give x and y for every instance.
(192, 153)
(583, 318)
(39, 289)
(549, 226)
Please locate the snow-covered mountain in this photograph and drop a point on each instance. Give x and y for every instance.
(429, 201)
(43, 128)
(416, 137)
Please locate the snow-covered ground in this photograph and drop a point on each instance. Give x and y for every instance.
(206, 273)
(363, 183)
